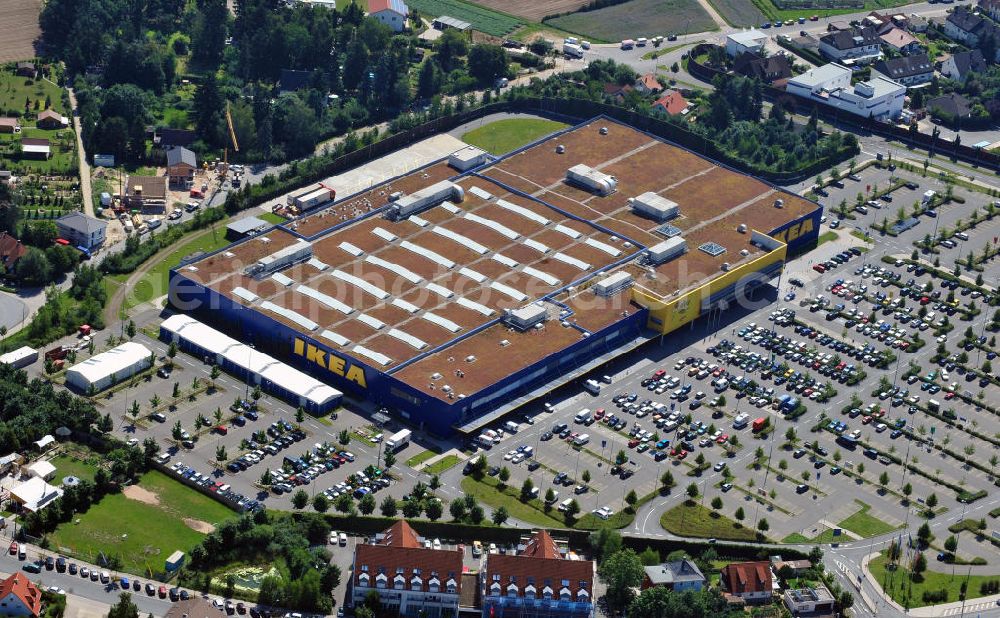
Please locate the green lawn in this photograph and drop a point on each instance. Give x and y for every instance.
(863, 524)
(910, 593)
(419, 458)
(68, 465)
(442, 464)
(827, 237)
(62, 143)
(486, 492)
(270, 217)
(154, 284)
(503, 136)
(692, 519)
(14, 89)
(140, 535)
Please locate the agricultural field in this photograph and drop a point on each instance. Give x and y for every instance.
(532, 10)
(20, 28)
(638, 18)
(119, 526)
(481, 18)
(738, 12)
(503, 136)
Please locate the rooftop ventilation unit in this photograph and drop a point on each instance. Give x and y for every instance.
(592, 180)
(300, 251)
(665, 251)
(714, 249)
(604, 130)
(779, 203)
(560, 149)
(612, 284)
(654, 206)
(742, 228)
(526, 317)
(426, 198)
(467, 158)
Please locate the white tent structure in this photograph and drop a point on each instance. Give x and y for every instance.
(109, 368)
(271, 374)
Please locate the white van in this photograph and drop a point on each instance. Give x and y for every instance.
(741, 421)
(564, 505)
(582, 416)
(582, 439)
(593, 387)
(511, 426)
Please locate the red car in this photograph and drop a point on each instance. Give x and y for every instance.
(682, 454)
(947, 396)
(819, 268)
(13, 548)
(723, 438)
(598, 413)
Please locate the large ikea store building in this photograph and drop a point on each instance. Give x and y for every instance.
(473, 285)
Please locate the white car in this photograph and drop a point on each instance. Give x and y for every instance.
(517, 458)
(509, 455)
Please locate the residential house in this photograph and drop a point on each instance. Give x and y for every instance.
(81, 230)
(168, 138)
(409, 578)
(392, 13)
(42, 469)
(292, 80)
(953, 105)
(35, 148)
(540, 579)
(10, 125)
(917, 23)
(968, 28)
(11, 250)
(837, 25)
(798, 567)
(618, 93)
(146, 193)
(746, 41)
(19, 597)
(902, 41)
(49, 119)
(830, 85)
(181, 166)
(860, 45)
(26, 69)
(908, 70)
(671, 103)
(960, 65)
(749, 581)
(33, 495)
(679, 575)
(648, 84)
(880, 22)
(810, 602)
(991, 8)
(774, 70)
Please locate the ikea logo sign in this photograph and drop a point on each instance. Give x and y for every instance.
(331, 362)
(795, 231)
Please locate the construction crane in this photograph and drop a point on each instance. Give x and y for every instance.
(232, 138)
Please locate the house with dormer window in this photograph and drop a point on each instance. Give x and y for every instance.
(410, 578)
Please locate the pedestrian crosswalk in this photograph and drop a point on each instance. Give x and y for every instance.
(970, 608)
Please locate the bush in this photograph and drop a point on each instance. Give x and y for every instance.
(935, 596)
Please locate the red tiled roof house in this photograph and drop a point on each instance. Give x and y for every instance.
(409, 578)
(539, 580)
(19, 597)
(671, 103)
(750, 581)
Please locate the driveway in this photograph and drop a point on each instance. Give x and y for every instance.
(12, 309)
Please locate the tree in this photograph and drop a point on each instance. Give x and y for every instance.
(931, 501)
(209, 107)
(220, 453)
(430, 79)
(322, 504)
(763, 526)
(667, 480)
(740, 515)
(266, 478)
(345, 504)
(130, 329)
(907, 490)
(124, 608)
(585, 476)
(367, 504)
(527, 487)
(790, 436)
(924, 534)
(621, 572)
(883, 479)
(692, 491)
(300, 415)
(487, 63)
(631, 499)
(503, 476)
(388, 507)
(476, 514)
(388, 459)
(433, 509)
(572, 509)
(951, 544)
(605, 542)
(300, 499)
(716, 504)
(457, 509)
(500, 516)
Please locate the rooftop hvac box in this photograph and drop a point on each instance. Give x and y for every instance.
(612, 284)
(467, 158)
(526, 317)
(666, 250)
(428, 197)
(591, 179)
(21, 357)
(654, 206)
(283, 258)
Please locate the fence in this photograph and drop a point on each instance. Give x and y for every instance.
(934, 145)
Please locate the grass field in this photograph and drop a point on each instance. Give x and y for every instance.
(638, 18)
(503, 136)
(270, 217)
(481, 18)
(419, 458)
(141, 535)
(692, 519)
(14, 89)
(910, 594)
(486, 492)
(738, 12)
(154, 284)
(67, 465)
(442, 464)
(863, 524)
(827, 236)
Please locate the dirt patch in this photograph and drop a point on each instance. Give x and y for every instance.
(139, 494)
(20, 19)
(533, 10)
(199, 526)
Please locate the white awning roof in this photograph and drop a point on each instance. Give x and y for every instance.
(115, 361)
